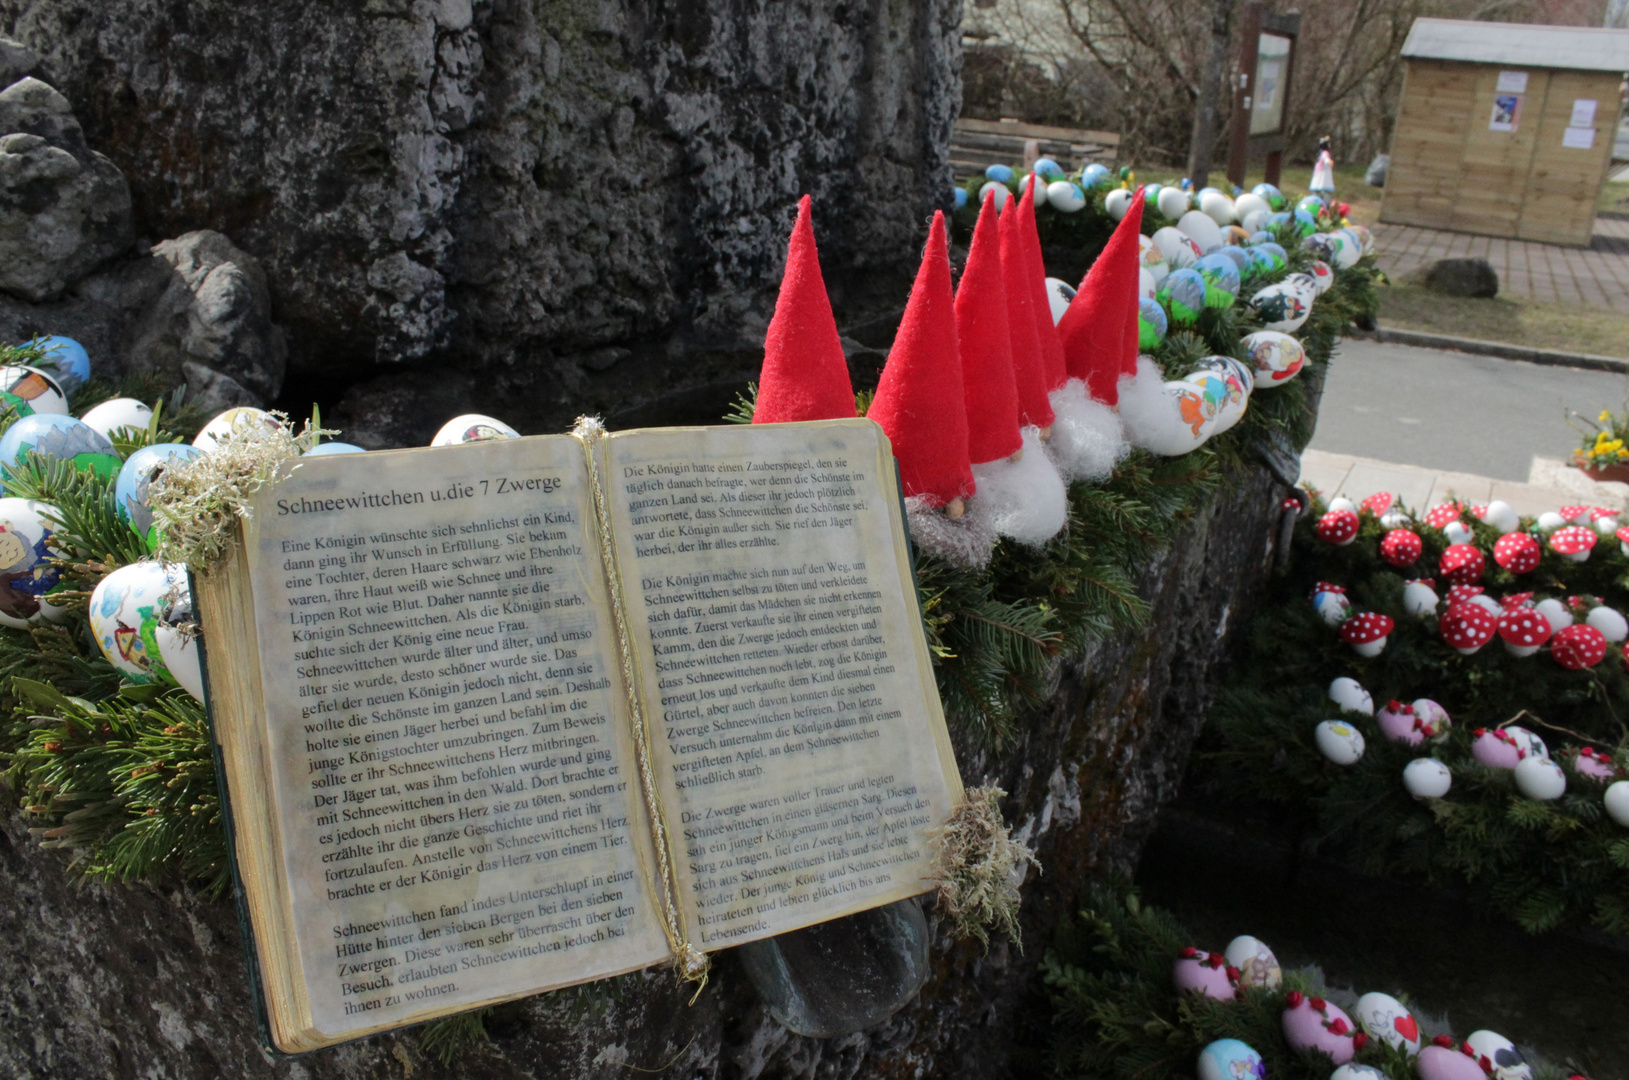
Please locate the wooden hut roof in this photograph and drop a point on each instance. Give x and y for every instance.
(1519, 44)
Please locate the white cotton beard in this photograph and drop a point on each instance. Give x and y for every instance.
(1087, 441)
(1023, 499)
(964, 541)
(1152, 416)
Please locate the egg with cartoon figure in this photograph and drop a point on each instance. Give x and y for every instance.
(1183, 296)
(1224, 393)
(235, 420)
(472, 427)
(1277, 356)
(1230, 1059)
(132, 492)
(1322, 275)
(1255, 963)
(1182, 429)
(126, 611)
(72, 362)
(28, 391)
(1180, 252)
(1221, 280)
(1151, 258)
(1230, 367)
(1281, 308)
(1387, 1019)
(1322, 245)
(1058, 295)
(1304, 284)
(121, 412)
(59, 438)
(1151, 324)
(27, 577)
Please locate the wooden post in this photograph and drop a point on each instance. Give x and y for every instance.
(1202, 146)
(1238, 151)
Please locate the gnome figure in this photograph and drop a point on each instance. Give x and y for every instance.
(1019, 491)
(805, 375)
(919, 405)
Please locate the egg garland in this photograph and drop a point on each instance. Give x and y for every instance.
(1427, 778)
(1182, 294)
(1314, 1026)
(1230, 1059)
(132, 491)
(472, 427)
(29, 391)
(27, 576)
(1255, 963)
(1339, 741)
(59, 438)
(1277, 356)
(117, 413)
(127, 609)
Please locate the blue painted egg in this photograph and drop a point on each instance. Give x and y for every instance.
(961, 198)
(1001, 174)
(1151, 324)
(1279, 220)
(328, 448)
(1260, 260)
(1065, 197)
(1183, 296)
(1312, 204)
(26, 574)
(1047, 168)
(71, 359)
(1280, 257)
(1240, 257)
(1230, 1059)
(1093, 175)
(1262, 237)
(1221, 280)
(1305, 224)
(60, 438)
(28, 391)
(127, 611)
(132, 491)
(1274, 197)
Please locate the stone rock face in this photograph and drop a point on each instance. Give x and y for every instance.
(139, 981)
(64, 209)
(1461, 277)
(507, 189)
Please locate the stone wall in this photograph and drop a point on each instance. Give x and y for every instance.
(144, 981)
(529, 207)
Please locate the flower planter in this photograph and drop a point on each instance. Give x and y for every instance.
(1602, 473)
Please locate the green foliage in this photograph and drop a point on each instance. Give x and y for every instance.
(1541, 864)
(452, 1036)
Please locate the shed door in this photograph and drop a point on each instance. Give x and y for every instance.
(1565, 181)
(1496, 163)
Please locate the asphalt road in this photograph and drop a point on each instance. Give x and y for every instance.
(1455, 411)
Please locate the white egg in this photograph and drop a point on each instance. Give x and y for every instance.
(1218, 207)
(1332, 607)
(1419, 600)
(1339, 741)
(180, 654)
(1255, 962)
(1610, 623)
(1040, 197)
(472, 427)
(1617, 802)
(1350, 696)
(232, 420)
(1427, 778)
(1341, 502)
(1249, 203)
(1606, 526)
(1395, 519)
(1458, 532)
(1146, 287)
(993, 187)
(109, 416)
(1178, 247)
(1255, 221)
(1204, 232)
(1172, 202)
(1540, 778)
(1065, 197)
(1556, 612)
(1117, 202)
(1487, 603)
(1058, 295)
(1387, 1019)
(1351, 1071)
(1503, 1057)
(1550, 521)
(1502, 516)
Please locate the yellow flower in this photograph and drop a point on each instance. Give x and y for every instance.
(1605, 417)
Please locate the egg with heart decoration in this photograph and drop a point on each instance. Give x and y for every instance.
(59, 438)
(1281, 307)
(126, 611)
(1316, 1027)
(1183, 296)
(28, 391)
(1221, 280)
(27, 576)
(1230, 1059)
(1277, 357)
(1387, 1019)
(132, 491)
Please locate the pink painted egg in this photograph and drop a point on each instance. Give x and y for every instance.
(1496, 749)
(1396, 722)
(1433, 718)
(1447, 1063)
(1315, 1026)
(1203, 974)
(1594, 764)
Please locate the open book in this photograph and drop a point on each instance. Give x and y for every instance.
(507, 716)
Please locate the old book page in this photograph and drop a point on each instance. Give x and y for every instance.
(450, 770)
(798, 743)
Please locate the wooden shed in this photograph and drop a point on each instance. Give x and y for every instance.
(1505, 129)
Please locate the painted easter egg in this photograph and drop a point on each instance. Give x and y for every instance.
(1447, 1063)
(1001, 174)
(328, 448)
(1172, 202)
(1354, 1071)
(1230, 1059)
(1058, 295)
(1093, 175)
(59, 438)
(1249, 203)
(959, 198)
(27, 577)
(1322, 275)
(1303, 284)
(1151, 324)
(120, 412)
(1116, 203)
(1240, 258)
(1305, 224)
(1387, 1019)
(126, 611)
(1318, 1027)
(132, 492)
(1365, 237)
(1065, 197)
(1277, 356)
(28, 391)
(1151, 258)
(1281, 308)
(238, 421)
(1151, 197)
(1348, 250)
(1274, 251)
(1540, 779)
(1047, 168)
(995, 188)
(1183, 296)
(472, 427)
(1225, 394)
(1432, 718)
(1218, 207)
(1350, 696)
(1255, 963)
(1498, 1056)
(1270, 195)
(1180, 252)
(1261, 262)
(1427, 778)
(1202, 973)
(1204, 232)
(1339, 741)
(1312, 204)
(72, 361)
(1255, 221)
(178, 648)
(1496, 749)
(1230, 367)
(1320, 245)
(1180, 429)
(1146, 287)
(1221, 280)
(1396, 722)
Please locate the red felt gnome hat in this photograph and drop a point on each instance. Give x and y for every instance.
(805, 376)
(1094, 328)
(919, 398)
(989, 386)
(1028, 365)
(1046, 331)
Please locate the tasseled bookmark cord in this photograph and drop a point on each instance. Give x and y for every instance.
(691, 962)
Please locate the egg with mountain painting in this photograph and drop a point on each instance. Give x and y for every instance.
(1151, 324)
(59, 438)
(1221, 280)
(72, 366)
(1269, 194)
(27, 576)
(126, 610)
(1240, 258)
(1183, 296)
(1093, 175)
(132, 491)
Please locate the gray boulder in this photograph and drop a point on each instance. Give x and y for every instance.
(1378, 168)
(64, 209)
(16, 61)
(1461, 277)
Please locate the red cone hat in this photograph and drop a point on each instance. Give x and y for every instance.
(1046, 331)
(1094, 328)
(805, 376)
(989, 386)
(919, 398)
(1028, 365)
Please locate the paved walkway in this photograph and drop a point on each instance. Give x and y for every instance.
(1548, 273)
(1551, 484)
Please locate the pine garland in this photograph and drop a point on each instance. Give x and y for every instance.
(1541, 864)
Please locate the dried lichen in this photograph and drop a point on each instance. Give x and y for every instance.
(197, 505)
(980, 868)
